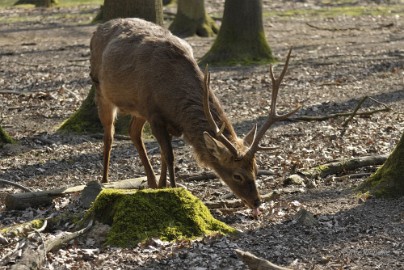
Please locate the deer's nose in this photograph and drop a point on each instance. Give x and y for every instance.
(257, 203)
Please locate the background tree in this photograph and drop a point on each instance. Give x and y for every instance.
(241, 38)
(150, 10)
(37, 3)
(388, 180)
(192, 19)
(85, 119)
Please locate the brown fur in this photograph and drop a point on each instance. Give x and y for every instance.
(142, 69)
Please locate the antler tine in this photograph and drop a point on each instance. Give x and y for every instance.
(206, 107)
(273, 116)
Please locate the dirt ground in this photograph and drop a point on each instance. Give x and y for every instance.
(337, 60)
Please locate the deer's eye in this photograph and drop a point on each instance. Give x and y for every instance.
(238, 177)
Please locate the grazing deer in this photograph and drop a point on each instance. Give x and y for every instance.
(142, 69)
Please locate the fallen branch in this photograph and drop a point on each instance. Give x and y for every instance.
(345, 165)
(21, 201)
(34, 258)
(2, 181)
(255, 263)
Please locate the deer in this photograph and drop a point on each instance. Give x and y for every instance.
(141, 69)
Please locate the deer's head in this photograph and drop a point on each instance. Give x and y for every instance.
(235, 160)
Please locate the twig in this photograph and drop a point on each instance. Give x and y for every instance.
(351, 176)
(34, 259)
(255, 263)
(15, 185)
(6, 258)
(334, 115)
(354, 112)
(381, 26)
(331, 29)
(345, 124)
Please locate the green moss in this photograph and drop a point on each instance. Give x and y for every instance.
(184, 26)
(85, 119)
(322, 168)
(388, 180)
(169, 214)
(24, 228)
(4, 137)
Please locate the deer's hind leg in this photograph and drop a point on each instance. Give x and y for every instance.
(160, 131)
(135, 132)
(107, 114)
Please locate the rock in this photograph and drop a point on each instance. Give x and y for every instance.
(89, 193)
(294, 179)
(305, 218)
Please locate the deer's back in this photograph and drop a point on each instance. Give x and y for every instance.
(142, 68)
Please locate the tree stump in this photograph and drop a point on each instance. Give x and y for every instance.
(168, 214)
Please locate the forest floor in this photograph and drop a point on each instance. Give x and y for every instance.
(342, 51)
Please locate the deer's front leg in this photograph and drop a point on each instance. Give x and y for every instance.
(135, 132)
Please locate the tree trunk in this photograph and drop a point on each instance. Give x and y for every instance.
(388, 180)
(37, 3)
(85, 119)
(150, 10)
(241, 39)
(192, 19)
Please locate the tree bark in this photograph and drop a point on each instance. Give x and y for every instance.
(241, 39)
(150, 10)
(388, 180)
(192, 19)
(37, 3)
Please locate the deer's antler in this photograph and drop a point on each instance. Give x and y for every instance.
(206, 107)
(273, 116)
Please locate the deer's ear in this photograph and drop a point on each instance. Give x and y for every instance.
(216, 148)
(250, 137)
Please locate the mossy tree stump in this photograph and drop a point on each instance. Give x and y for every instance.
(388, 180)
(241, 38)
(192, 19)
(85, 119)
(5, 138)
(168, 214)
